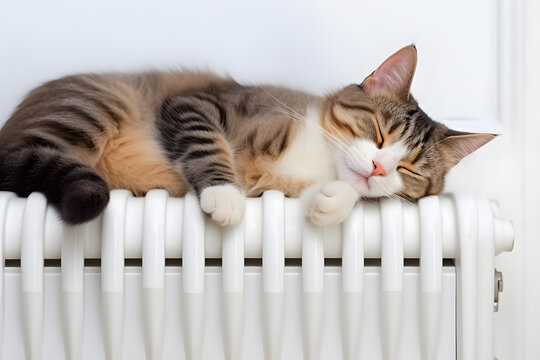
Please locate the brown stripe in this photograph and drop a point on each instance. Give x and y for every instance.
(394, 127)
(416, 157)
(267, 147)
(340, 124)
(72, 135)
(284, 141)
(35, 140)
(356, 107)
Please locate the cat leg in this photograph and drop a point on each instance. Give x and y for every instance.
(330, 203)
(192, 131)
(73, 188)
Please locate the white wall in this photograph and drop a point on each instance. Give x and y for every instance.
(476, 71)
(315, 45)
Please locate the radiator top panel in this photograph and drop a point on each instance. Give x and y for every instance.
(132, 218)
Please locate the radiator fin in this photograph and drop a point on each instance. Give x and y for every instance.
(112, 274)
(273, 265)
(430, 274)
(32, 274)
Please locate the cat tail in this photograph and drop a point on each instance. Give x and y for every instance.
(72, 187)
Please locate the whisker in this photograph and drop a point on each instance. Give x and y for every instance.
(346, 148)
(298, 117)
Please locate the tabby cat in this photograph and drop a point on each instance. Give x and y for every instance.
(75, 138)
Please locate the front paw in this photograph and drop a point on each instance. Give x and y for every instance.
(332, 204)
(224, 203)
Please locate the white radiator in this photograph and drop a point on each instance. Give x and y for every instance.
(395, 281)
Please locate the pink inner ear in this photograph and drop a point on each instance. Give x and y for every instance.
(457, 147)
(395, 74)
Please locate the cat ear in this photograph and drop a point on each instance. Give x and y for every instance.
(458, 145)
(394, 76)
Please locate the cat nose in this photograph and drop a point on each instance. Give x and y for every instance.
(378, 170)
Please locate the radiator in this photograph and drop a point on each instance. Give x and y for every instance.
(153, 278)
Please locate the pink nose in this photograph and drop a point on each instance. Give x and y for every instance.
(378, 170)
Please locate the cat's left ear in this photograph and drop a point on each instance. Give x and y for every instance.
(458, 145)
(394, 76)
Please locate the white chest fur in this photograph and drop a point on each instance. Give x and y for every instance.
(309, 158)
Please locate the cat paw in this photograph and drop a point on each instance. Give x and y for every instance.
(83, 200)
(332, 204)
(224, 203)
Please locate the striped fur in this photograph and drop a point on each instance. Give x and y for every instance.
(76, 138)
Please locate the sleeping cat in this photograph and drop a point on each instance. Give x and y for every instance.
(75, 138)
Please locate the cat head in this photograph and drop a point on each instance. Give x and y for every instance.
(384, 143)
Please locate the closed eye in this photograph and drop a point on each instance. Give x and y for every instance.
(408, 171)
(380, 144)
(380, 138)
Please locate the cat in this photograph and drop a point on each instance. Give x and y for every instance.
(75, 138)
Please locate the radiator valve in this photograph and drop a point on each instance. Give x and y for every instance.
(498, 288)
